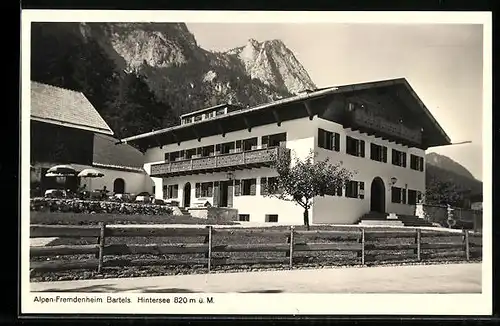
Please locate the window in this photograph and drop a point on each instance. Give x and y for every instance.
(416, 163)
(172, 156)
(274, 140)
(272, 218)
(335, 191)
(198, 117)
(248, 187)
(398, 158)
(170, 191)
(207, 151)
(355, 147)
(378, 153)
(398, 195)
(220, 111)
(328, 140)
(244, 217)
(355, 189)
(249, 144)
(190, 153)
(227, 148)
(412, 197)
(204, 189)
(267, 183)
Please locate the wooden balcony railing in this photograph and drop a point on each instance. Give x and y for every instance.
(220, 162)
(375, 123)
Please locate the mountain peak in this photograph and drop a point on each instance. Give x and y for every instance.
(272, 62)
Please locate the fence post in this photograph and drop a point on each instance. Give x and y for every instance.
(292, 229)
(362, 246)
(466, 239)
(209, 252)
(102, 242)
(419, 242)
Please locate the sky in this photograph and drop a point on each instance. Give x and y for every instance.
(442, 62)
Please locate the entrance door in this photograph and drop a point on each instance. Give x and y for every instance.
(223, 194)
(377, 198)
(187, 195)
(119, 186)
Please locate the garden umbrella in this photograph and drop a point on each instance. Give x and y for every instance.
(67, 170)
(90, 173)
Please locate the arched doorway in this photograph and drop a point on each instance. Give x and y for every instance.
(377, 196)
(119, 186)
(187, 194)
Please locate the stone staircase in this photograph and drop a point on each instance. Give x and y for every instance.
(381, 219)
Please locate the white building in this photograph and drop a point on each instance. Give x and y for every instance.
(222, 154)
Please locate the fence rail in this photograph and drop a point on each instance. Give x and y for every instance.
(362, 242)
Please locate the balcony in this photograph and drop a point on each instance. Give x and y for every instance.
(219, 163)
(385, 128)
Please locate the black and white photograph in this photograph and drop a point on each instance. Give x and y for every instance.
(256, 163)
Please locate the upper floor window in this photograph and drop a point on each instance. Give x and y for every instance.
(398, 158)
(416, 163)
(220, 111)
(328, 140)
(378, 153)
(274, 140)
(355, 147)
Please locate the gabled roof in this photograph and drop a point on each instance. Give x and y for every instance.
(65, 107)
(263, 114)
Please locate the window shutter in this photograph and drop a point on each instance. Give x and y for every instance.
(384, 154)
(404, 159)
(210, 189)
(336, 139)
(167, 155)
(238, 144)
(182, 153)
(253, 187)
(361, 145)
(198, 190)
(263, 186)
(361, 190)
(265, 141)
(403, 196)
(176, 191)
(237, 187)
(421, 163)
(321, 138)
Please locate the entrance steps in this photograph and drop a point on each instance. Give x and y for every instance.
(184, 211)
(375, 218)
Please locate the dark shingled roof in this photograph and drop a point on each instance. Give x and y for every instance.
(65, 107)
(107, 154)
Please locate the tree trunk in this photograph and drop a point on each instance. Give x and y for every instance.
(306, 218)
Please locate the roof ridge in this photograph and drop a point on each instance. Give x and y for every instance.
(59, 87)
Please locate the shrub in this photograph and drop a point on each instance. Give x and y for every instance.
(96, 207)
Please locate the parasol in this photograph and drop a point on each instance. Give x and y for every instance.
(90, 173)
(65, 170)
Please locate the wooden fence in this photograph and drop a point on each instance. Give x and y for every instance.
(368, 246)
